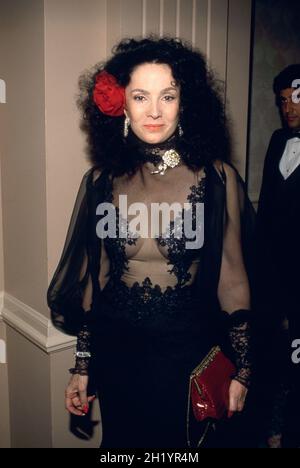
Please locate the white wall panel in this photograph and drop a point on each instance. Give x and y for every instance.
(113, 21)
(131, 18)
(200, 25)
(185, 17)
(152, 16)
(217, 38)
(169, 17)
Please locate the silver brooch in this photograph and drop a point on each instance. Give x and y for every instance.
(170, 159)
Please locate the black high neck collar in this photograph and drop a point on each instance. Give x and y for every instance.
(152, 152)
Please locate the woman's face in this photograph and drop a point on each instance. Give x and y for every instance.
(152, 102)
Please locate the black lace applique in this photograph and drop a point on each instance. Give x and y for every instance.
(83, 346)
(116, 250)
(145, 299)
(180, 257)
(116, 246)
(240, 338)
(142, 301)
(198, 191)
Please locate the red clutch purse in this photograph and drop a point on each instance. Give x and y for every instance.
(209, 386)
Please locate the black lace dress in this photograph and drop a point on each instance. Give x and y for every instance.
(152, 304)
(149, 338)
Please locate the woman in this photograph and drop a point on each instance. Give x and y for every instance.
(157, 134)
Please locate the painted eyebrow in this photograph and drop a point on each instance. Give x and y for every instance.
(171, 88)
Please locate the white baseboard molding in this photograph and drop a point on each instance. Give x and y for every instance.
(33, 325)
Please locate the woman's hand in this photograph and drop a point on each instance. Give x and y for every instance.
(237, 397)
(76, 399)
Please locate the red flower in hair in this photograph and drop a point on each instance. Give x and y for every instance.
(108, 95)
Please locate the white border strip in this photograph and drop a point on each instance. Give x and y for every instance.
(178, 18)
(144, 20)
(194, 12)
(208, 38)
(161, 17)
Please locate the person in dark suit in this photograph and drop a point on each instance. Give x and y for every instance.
(278, 262)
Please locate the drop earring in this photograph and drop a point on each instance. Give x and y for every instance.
(126, 126)
(180, 131)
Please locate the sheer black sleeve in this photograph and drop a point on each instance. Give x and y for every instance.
(234, 289)
(69, 294)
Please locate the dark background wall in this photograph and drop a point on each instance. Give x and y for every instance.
(276, 44)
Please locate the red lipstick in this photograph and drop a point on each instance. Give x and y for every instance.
(153, 128)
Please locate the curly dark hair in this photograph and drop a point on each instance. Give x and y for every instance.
(205, 134)
(286, 77)
(285, 80)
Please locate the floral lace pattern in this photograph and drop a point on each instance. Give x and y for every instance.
(240, 334)
(144, 299)
(83, 345)
(179, 257)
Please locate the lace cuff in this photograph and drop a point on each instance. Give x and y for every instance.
(83, 354)
(239, 331)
